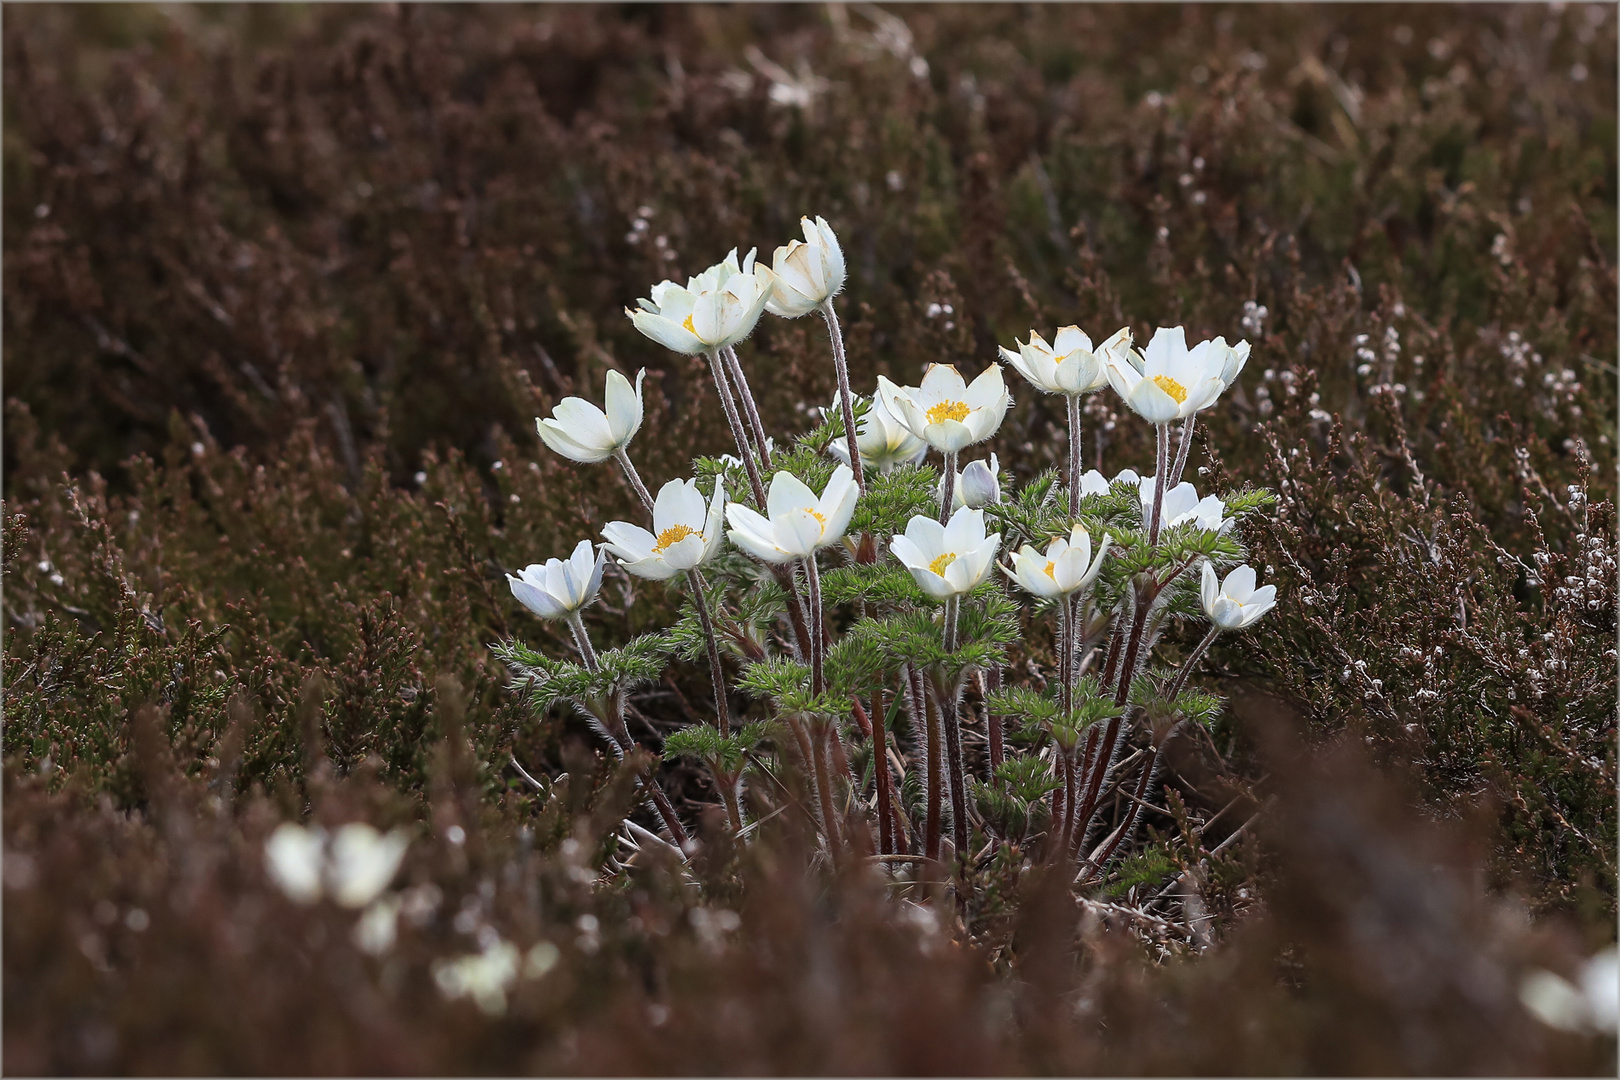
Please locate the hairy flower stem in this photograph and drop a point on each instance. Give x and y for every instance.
(729, 404)
(819, 736)
(878, 733)
(717, 675)
(1150, 769)
(1086, 765)
(842, 367)
(1163, 433)
(997, 741)
(950, 711)
(1067, 831)
(634, 477)
(1066, 653)
(1074, 455)
(948, 491)
(936, 779)
(750, 410)
(621, 734)
(818, 638)
(812, 770)
(1182, 448)
(1191, 662)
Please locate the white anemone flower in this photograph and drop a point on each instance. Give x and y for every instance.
(685, 535)
(946, 412)
(718, 307)
(1168, 381)
(1069, 365)
(353, 869)
(806, 274)
(1235, 603)
(947, 560)
(1067, 567)
(557, 588)
(799, 523)
(1093, 482)
(883, 440)
(579, 431)
(1181, 505)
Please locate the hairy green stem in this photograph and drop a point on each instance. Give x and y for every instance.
(842, 368)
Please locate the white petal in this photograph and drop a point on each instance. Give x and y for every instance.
(623, 406)
(558, 442)
(294, 855)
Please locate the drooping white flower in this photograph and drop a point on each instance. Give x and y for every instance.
(806, 274)
(978, 484)
(946, 412)
(800, 523)
(1066, 568)
(718, 307)
(1168, 381)
(557, 588)
(686, 534)
(1069, 365)
(947, 560)
(1233, 359)
(581, 432)
(884, 441)
(1235, 603)
(352, 866)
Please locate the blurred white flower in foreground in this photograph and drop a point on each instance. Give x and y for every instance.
(686, 533)
(947, 560)
(800, 522)
(557, 588)
(1594, 1005)
(352, 866)
(485, 976)
(579, 431)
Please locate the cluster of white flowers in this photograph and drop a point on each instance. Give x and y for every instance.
(950, 554)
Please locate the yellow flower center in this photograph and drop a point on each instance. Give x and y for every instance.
(938, 565)
(1051, 570)
(1171, 387)
(690, 328)
(672, 536)
(948, 410)
(818, 515)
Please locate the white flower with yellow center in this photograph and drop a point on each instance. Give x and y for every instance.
(1069, 365)
(558, 588)
(808, 274)
(883, 440)
(799, 523)
(1182, 505)
(579, 431)
(1066, 568)
(1168, 381)
(718, 307)
(946, 412)
(947, 560)
(685, 535)
(1235, 603)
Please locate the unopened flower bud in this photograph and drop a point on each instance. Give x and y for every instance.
(980, 484)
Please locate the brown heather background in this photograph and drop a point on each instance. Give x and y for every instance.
(286, 286)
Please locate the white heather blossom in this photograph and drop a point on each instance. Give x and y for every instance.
(1067, 566)
(799, 523)
(1168, 381)
(579, 431)
(946, 412)
(1235, 603)
(947, 560)
(1069, 365)
(718, 307)
(883, 440)
(557, 588)
(686, 533)
(806, 274)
